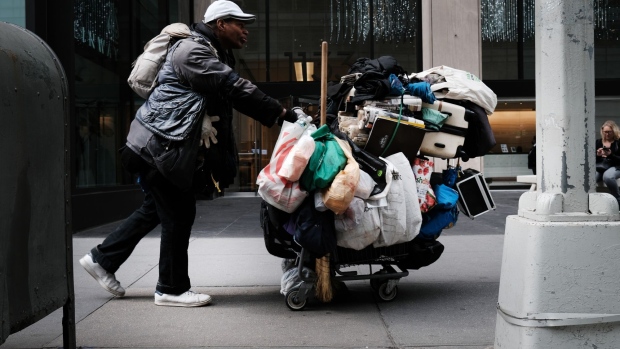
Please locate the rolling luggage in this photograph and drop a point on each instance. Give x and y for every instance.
(447, 143)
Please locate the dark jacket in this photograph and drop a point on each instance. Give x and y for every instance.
(198, 76)
(614, 157)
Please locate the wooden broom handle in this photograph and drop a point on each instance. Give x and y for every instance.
(323, 82)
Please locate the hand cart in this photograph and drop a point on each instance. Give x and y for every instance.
(384, 282)
(394, 262)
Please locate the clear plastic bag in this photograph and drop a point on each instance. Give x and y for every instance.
(290, 277)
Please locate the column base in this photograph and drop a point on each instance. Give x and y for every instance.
(559, 285)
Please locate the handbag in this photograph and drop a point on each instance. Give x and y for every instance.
(176, 160)
(603, 165)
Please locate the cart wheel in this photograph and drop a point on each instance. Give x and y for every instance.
(382, 292)
(375, 283)
(293, 302)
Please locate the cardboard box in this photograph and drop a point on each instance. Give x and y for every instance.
(407, 139)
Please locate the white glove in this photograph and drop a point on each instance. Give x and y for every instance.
(208, 131)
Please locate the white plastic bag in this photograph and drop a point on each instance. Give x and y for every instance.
(401, 219)
(358, 226)
(295, 162)
(276, 190)
(461, 85)
(365, 186)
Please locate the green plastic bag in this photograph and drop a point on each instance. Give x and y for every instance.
(433, 119)
(326, 161)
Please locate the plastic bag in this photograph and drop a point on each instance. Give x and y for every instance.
(371, 164)
(387, 176)
(290, 278)
(326, 161)
(422, 170)
(276, 190)
(443, 216)
(461, 85)
(340, 192)
(319, 204)
(446, 196)
(297, 159)
(364, 186)
(433, 119)
(358, 227)
(401, 219)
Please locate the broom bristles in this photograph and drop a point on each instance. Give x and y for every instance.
(323, 283)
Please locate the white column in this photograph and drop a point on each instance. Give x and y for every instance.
(565, 100)
(560, 278)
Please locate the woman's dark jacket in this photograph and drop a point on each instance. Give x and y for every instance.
(198, 77)
(614, 157)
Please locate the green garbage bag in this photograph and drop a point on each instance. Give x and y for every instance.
(326, 161)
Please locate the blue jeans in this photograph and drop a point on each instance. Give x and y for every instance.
(175, 210)
(609, 178)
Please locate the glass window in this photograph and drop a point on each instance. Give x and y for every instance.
(508, 22)
(104, 103)
(296, 30)
(284, 47)
(13, 11)
(97, 113)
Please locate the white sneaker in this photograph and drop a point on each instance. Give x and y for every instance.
(187, 299)
(106, 280)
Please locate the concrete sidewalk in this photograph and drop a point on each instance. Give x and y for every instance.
(450, 304)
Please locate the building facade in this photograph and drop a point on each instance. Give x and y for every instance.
(97, 40)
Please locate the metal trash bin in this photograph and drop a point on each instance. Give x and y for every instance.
(36, 270)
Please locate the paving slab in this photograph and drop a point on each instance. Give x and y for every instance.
(450, 304)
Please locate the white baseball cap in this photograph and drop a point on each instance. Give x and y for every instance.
(226, 9)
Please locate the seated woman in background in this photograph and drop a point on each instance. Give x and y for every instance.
(607, 150)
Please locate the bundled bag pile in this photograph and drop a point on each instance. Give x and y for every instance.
(452, 105)
(348, 184)
(331, 199)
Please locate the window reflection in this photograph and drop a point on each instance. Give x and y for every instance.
(96, 145)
